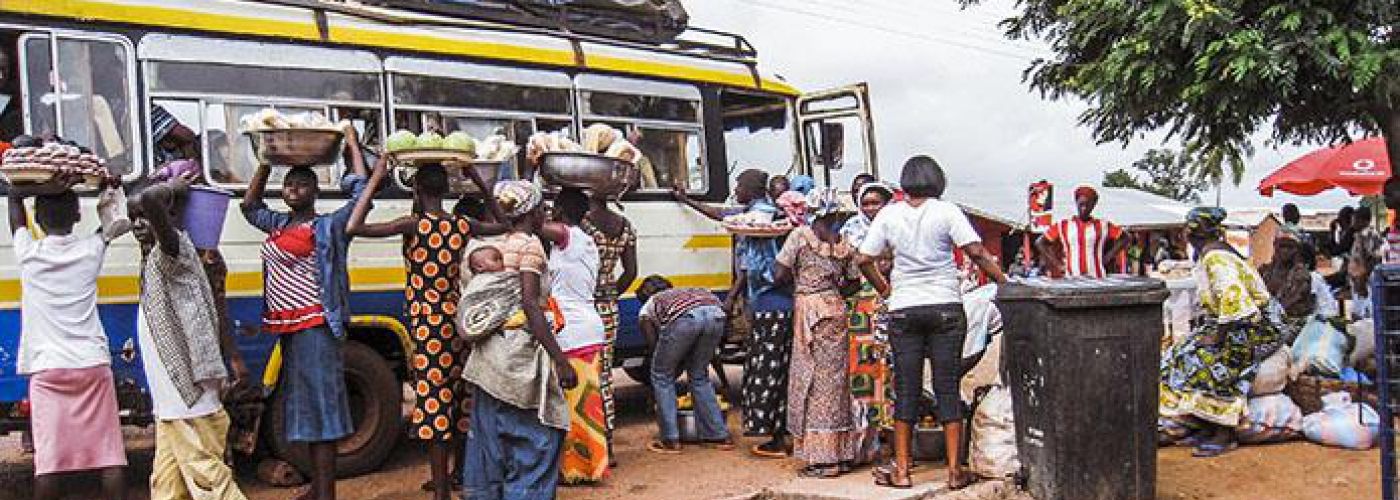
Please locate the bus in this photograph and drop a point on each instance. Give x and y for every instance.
(92, 71)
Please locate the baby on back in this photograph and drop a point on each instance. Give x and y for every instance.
(486, 259)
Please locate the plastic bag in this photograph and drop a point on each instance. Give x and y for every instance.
(1273, 374)
(1342, 423)
(1363, 354)
(1270, 419)
(993, 448)
(983, 319)
(1319, 349)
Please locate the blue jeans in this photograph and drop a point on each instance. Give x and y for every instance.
(688, 343)
(510, 454)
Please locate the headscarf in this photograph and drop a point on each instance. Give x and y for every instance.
(175, 169)
(795, 206)
(162, 122)
(518, 197)
(802, 183)
(822, 202)
(1206, 222)
(855, 228)
(1086, 191)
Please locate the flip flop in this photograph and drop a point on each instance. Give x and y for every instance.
(821, 472)
(884, 476)
(760, 451)
(722, 445)
(1211, 450)
(963, 480)
(659, 447)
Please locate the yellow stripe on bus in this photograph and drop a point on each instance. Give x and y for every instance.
(146, 15)
(708, 241)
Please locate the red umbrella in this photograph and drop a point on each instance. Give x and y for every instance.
(1361, 168)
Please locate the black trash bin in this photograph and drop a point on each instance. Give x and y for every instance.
(1082, 363)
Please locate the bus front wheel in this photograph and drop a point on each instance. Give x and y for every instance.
(375, 409)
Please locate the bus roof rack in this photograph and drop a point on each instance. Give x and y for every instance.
(657, 26)
(509, 16)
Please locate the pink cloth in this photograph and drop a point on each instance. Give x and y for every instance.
(794, 204)
(74, 420)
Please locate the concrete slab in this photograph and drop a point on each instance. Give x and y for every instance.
(928, 481)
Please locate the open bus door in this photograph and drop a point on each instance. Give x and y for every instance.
(837, 135)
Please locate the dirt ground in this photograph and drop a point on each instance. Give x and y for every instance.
(1297, 470)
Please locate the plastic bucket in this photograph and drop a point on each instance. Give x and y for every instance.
(204, 215)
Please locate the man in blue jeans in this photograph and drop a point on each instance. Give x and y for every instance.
(683, 327)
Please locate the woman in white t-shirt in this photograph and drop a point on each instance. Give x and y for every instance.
(573, 276)
(925, 304)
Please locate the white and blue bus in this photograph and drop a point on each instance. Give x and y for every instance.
(92, 71)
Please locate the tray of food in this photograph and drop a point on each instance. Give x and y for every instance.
(307, 139)
(38, 164)
(456, 151)
(604, 161)
(758, 224)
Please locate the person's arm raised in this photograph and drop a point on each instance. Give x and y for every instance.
(357, 225)
(713, 213)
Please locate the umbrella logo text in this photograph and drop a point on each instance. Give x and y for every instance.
(1364, 165)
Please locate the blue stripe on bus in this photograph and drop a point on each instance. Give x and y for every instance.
(119, 321)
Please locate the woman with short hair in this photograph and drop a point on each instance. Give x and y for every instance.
(925, 303)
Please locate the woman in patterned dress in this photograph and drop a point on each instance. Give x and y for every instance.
(434, 240)
(1205, 379)
(820, 263)
(617, 243)
(872, 383)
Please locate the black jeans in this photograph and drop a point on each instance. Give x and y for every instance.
(934, 333)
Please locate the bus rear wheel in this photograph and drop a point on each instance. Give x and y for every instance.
(375, 408)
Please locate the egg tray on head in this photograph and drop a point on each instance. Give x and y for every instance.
(36, 165)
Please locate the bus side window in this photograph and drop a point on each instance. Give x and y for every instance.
(87, 99)
(11, 114)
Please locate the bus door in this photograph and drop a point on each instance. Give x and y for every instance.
(837, 135)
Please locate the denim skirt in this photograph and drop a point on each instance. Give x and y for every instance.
(313, 379)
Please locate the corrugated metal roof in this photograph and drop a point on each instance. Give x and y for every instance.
(1129, 208)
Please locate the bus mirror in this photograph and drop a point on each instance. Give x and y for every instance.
(833, 145)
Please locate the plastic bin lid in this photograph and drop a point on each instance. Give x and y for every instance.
(1080, 292)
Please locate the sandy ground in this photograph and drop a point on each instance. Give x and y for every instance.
(1297, 470)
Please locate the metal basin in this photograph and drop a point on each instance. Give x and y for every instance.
(297, 147)
(589, 171)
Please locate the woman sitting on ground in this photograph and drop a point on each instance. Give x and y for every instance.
(1205, 379)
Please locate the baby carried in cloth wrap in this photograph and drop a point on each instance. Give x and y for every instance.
(505, 359)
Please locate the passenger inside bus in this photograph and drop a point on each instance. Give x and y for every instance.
(11, 117)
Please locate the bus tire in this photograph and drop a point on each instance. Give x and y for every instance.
(375, 408)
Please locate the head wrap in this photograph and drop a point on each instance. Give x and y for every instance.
(802, 183)
(161, 123)
(518, 197)
(175, 169)
(795, 206)
(822, 202)
(1205, 221)
(1086, 190)
(875, 186)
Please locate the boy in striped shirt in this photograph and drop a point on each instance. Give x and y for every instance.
(683, 327)
(1080, 245)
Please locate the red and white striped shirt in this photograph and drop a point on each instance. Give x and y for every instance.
(293, 295)
(1083, 243)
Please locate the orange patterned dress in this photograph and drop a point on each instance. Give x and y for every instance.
(433, 254)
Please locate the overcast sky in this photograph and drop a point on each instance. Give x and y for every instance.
(944, 82)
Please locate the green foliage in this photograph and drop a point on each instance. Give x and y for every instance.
(1211, 73)
(1167, 174)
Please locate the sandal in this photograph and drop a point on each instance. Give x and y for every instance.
(722, 444)
(885, 476)
(1211, 450)
(821, 471)
(765, 451)
(962, 480)
(661, 447)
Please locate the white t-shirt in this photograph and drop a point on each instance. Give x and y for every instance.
(573, 276)
(166, 402)
(922, 239)
(58, 304)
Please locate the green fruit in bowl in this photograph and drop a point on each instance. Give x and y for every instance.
(430, 140)
(401, 140)
(460, 141)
